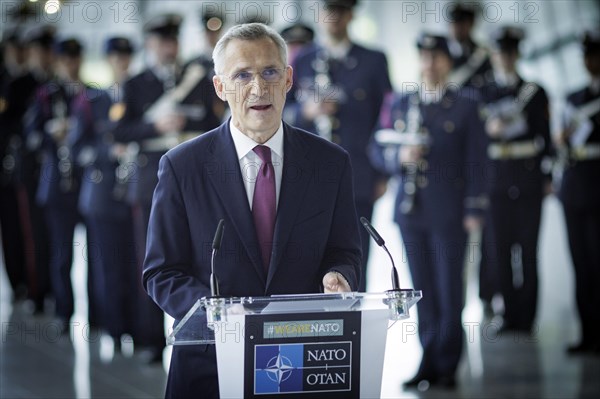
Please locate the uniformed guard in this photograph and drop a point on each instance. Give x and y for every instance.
(164, 106)
(471, 61)
(11, 113)
(297, 36)
(517, 125)
(39, 42)
(340, 87)
(432, 140)
(579, 142)
(212, 23)
(102, 200)
(51, 123)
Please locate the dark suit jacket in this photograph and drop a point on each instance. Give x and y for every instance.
(200, 183)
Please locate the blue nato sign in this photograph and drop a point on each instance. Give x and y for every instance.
(278, 368)
(299, 356)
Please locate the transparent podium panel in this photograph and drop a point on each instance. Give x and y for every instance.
(317, 345)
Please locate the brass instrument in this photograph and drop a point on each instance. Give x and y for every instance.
(126, 156)
(411, 133)
(325, 90)
(58, 128)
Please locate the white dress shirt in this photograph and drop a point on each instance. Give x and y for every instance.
(250, 162)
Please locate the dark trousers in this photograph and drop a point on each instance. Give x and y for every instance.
(583, 228)
(61, 223)
(516, 226)
(12, 240)
(193, 372)
(489, 282)
(150, 318)
(115, 270)
(435, 260)
(364, 208)
(36, 235)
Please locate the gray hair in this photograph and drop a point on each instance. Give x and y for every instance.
(252, 31)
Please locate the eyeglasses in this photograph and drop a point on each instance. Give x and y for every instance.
(269, 75)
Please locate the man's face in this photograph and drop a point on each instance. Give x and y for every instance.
(335, 20)
(254, 81)
(165, 49)
(435, 66)
(461, 30)
(14, 55)
(40, 57)
(68, 66)
(505, 61)
(119, 62)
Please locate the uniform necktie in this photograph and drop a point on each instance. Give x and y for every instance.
(263, 204)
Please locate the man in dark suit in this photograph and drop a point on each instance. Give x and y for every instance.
(580, 195)
(440, 198)
(340, 89)
(286, 197)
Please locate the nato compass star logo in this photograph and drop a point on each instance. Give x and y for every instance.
(279, 368)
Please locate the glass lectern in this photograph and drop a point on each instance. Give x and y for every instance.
(318, 345)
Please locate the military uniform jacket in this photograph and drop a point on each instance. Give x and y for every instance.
(51, 191)
(580, 182)
(15, 97)
(476, 62)
(450, 181)
(520, 177)
(140, 93)
(91, 146)
(364, 81)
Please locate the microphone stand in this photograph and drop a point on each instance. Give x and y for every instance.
(398, 300)
(215, 308)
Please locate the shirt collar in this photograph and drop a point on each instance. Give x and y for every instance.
(244, 144)
(340, 50)
(434, 95)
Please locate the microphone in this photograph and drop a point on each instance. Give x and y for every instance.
(379, 241)
(216, 245)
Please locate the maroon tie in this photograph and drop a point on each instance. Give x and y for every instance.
(263, 204)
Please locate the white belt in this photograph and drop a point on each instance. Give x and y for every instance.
(586, 152)
(518, 150)
(165, 143)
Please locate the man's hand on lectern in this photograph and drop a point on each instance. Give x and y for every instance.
(334, 282)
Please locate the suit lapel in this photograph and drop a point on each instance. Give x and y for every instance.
(296, 175)
(227, 182)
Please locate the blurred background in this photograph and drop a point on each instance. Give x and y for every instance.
(37, 359)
